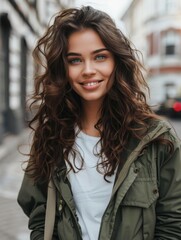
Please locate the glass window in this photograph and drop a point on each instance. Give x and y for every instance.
(170, 49)
(171, 42)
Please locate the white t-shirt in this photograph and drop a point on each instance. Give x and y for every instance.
(91, 192)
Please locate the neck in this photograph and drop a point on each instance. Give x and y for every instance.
(90, 116)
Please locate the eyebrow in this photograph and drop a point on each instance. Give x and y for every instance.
(78, 54)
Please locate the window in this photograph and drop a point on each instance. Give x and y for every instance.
(170, 49)
(170, 42)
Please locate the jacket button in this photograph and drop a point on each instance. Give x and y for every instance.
(155, 191)
(136, 170)
(60, 205)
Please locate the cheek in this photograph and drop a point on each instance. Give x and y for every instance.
(70, 73)
(108, 71)
(110, 76)
(73, 74)
(109, 68)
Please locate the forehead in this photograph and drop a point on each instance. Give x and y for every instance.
(85, 39)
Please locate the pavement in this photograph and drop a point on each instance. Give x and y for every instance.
(13, 222)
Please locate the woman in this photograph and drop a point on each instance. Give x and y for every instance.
(115, 165)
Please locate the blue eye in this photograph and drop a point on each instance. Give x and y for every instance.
(100, 57)
(74, 60)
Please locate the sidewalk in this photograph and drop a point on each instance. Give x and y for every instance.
(13, 222)
(11, 143)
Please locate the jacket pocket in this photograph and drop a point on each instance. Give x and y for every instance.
(142, 193)
(139, 203)
(143, 190)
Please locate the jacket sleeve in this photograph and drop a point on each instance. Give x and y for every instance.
(168, 209)
(32, 199)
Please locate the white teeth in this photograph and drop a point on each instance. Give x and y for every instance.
(90, 84)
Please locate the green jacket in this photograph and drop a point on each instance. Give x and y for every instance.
(145, 202)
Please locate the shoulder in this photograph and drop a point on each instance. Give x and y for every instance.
(166, 129)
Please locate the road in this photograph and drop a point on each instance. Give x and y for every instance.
(13, 223)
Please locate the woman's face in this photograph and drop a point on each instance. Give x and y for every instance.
(90, 65)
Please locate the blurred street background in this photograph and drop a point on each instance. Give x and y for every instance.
(154, 27)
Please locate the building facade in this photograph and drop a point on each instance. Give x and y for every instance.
(21, 23)
(154, 26)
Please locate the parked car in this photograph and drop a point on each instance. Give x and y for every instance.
(171, 107)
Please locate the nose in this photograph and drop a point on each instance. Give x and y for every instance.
(89, 69)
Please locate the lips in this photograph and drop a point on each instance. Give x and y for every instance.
(91, 83)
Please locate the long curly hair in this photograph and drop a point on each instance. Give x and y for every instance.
(124, 112)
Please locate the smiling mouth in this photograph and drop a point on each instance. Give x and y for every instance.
(91, 83)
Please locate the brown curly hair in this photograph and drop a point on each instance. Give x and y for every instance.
(124, 111)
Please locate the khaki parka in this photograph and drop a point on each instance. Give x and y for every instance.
(145, 202)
